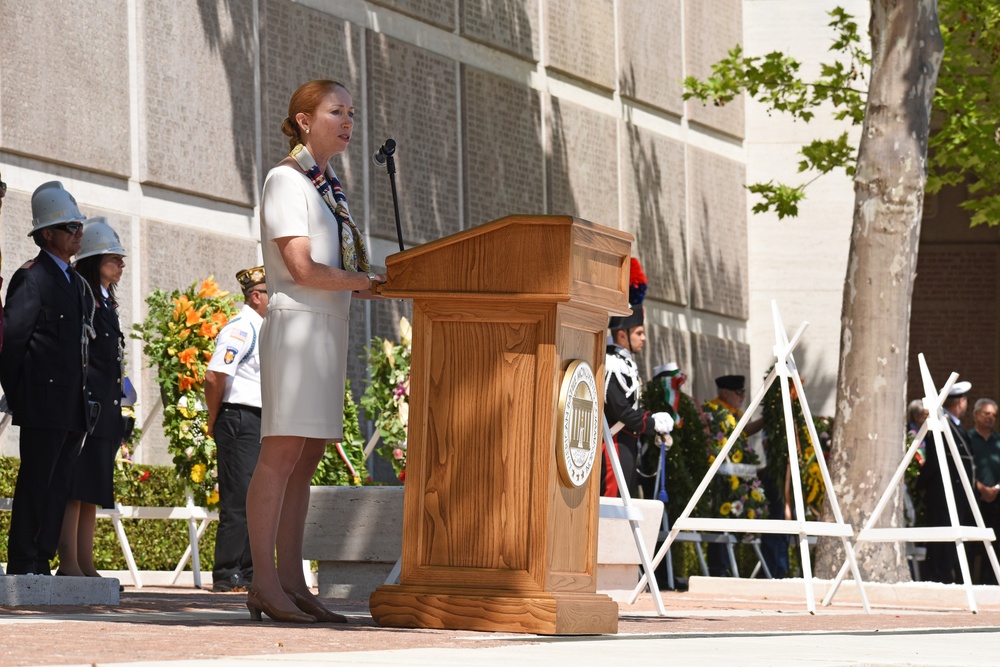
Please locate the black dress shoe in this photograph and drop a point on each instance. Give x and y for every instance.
(234, 583)
(21, 567)
(29, 567)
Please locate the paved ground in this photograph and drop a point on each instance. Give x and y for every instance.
(182, 626)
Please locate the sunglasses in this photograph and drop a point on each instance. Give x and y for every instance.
(70, 227)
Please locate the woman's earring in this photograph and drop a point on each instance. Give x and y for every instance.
(307, 130)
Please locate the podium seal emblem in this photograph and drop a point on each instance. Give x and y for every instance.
(577, 449)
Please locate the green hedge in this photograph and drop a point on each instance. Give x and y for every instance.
(156, 544)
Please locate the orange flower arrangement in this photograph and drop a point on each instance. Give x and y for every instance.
(179, 335)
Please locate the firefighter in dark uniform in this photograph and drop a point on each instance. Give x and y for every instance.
(43, 373)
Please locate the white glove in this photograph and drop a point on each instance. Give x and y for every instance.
(663, 423)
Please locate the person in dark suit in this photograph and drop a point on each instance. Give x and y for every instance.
(986, 448)
(3, 193)
(941, 563)
(43, 374)
(100, 262)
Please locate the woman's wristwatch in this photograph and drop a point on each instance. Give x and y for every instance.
(372, 281)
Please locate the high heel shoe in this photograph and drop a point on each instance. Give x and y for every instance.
(315, 609)
(256, 604)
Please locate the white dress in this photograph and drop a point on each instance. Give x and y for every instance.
(303, 342)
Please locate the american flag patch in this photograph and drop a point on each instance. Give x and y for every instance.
(238, 334)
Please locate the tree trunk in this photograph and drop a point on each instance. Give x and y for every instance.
(868, 435)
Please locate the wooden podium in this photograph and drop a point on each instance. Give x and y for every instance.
(494, 536)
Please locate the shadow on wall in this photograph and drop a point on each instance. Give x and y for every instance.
(652, 228)
(560, 195)
(717, 272)
(508, 24)
(234, 49)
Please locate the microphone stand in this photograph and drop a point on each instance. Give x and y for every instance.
(390, 166)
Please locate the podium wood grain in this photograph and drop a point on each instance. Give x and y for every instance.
(492, 538)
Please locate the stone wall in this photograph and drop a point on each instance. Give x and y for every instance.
(169, 119)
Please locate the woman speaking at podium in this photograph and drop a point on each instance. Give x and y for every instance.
(315, 261)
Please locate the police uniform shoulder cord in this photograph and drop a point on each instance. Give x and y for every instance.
(88, 324)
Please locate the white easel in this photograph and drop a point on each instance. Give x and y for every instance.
(633, 514)
(626, 511)
(784, 368)
(933, 402)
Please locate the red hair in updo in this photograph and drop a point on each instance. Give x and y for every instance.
(306, 99)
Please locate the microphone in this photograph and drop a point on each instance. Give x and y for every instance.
(384, 151)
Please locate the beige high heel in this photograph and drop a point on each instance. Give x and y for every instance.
(256, 605)
(315, 609)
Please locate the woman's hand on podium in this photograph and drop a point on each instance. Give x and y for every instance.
(375, 283)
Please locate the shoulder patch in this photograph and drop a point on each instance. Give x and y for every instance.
(30, 263)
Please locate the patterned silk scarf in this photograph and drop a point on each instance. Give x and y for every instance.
(355, 255)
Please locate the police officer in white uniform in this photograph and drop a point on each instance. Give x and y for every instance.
(232, 391)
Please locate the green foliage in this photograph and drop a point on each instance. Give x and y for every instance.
(912, 477)
(687, 460)
(784, 199)
(332, 470)
(156, 544)
(813, 488)
(773, 79)
(965, 147)
(825, 156)
(386, 400)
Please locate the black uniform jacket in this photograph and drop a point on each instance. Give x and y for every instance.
(930, 478)
(619, 407)
(41, 363)
(104, 373)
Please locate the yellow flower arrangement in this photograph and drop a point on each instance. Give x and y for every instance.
(739, 494)
(813, 489)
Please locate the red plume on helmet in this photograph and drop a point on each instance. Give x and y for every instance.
(637, 285)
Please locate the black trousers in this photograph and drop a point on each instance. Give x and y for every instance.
(941, 561)
(237, 436)
(40, 495)
(627, 456)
